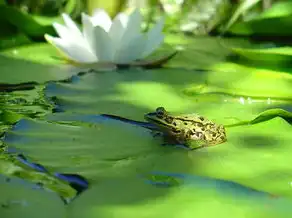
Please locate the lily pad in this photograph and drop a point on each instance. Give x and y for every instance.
(89, 151)
(267, 115)
(137, 92)
(22, 199)
(278, 55)
(19, 71)
(129, 196)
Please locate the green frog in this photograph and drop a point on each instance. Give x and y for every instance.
(193, 131)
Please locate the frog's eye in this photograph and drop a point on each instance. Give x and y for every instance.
(160, 111)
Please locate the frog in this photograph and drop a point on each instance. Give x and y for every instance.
(192, 130)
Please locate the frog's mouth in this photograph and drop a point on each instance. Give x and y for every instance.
(162, 126)
(153, 119)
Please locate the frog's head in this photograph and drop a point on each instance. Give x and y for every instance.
(216, 134)
(163, 121)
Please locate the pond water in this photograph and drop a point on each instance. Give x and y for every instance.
(58, 143)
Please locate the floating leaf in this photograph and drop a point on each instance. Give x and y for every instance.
(20, 199)
(267, 115)
(129, 196)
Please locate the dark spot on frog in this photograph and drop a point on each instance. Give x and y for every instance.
(174, 123)
(176, 130)
(201, 118)
(185, 124)
(199, 124)
(169, 119)
(198, 134)
(189, 133)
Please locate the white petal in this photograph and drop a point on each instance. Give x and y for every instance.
(132, 31)
(88, 29)
(68, 35)
(122, 18)
(102, 19)
(70, 24)
(73, 50)
(154, 38)
(118, 28)
(62, 31)
(133, 25)
(131, 50)
(102, 47)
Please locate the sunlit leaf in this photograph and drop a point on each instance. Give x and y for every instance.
(278, 9)
(242, 7)
(22, 65)
(223, 198)
(24, 22)
(275, 21)
(280, 54)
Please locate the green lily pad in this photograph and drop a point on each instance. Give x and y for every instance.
(78, 141)
(20, 199)
(19, 71)
(87, 149)
(258, 151)
(211, 94)
(278, 55)
(241, 80)
(21, 64)
(129, 197)
(200, 52)
(11, 166)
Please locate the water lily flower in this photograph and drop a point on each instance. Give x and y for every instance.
(104, 40)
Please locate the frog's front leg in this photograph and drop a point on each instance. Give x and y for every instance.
(174, 142)
(166, 140)
(196, 144)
